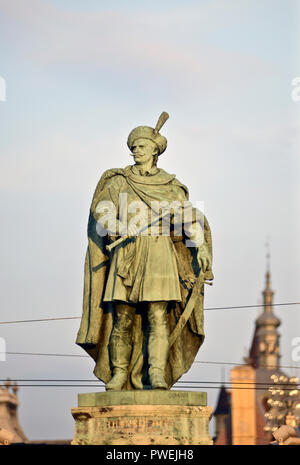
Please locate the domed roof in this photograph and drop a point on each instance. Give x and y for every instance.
(268, 319)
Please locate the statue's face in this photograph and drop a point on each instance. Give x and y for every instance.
(143, 150)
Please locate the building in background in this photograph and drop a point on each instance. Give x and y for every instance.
(242, 414)
(9, 412)
(9, 421)
(222, 414)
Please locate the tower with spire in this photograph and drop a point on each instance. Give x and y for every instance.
(243, 420)
(265, 349)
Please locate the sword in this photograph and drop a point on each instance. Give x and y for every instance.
(114, 244)
(188, 309)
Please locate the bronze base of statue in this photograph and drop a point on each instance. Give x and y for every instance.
(149, 417)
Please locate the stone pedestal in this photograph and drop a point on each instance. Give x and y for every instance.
(142, 418)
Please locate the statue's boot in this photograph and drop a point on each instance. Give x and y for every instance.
(158, 346)
(120, 347)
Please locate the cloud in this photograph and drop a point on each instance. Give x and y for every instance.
(134, 43)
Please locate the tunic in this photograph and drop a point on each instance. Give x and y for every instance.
(143, 268)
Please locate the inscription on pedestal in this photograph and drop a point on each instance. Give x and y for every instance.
(176, 420)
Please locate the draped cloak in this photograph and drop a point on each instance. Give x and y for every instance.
(98, 316)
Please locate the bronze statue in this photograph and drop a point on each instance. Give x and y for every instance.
(142, 316)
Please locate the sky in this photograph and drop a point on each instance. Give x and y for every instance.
(80, 75)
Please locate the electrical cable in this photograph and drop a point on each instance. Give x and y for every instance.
(206, 309)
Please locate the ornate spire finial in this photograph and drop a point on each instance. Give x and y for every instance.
(7, 383)
(266, 343)
(268, 259)
(268, 254)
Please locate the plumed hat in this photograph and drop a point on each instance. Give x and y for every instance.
(146, 132)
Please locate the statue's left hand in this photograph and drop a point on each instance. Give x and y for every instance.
(204, 258)
(203, 254)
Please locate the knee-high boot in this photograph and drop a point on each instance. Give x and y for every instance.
(158, 346)
(120, 347)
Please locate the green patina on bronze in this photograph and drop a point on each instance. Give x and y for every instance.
(143, 279)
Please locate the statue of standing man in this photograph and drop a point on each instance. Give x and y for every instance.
(149, 255)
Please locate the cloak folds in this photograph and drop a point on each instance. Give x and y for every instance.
(98, 316)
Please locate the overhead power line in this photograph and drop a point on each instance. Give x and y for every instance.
(253, 306)
(99, 383)
(177, 387)
(45, 354)
(206, 309)
(40, 320)
(276, 367)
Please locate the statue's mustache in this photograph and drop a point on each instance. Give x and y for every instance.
(137, 154)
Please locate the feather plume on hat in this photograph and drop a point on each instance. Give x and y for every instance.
(146, 132)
